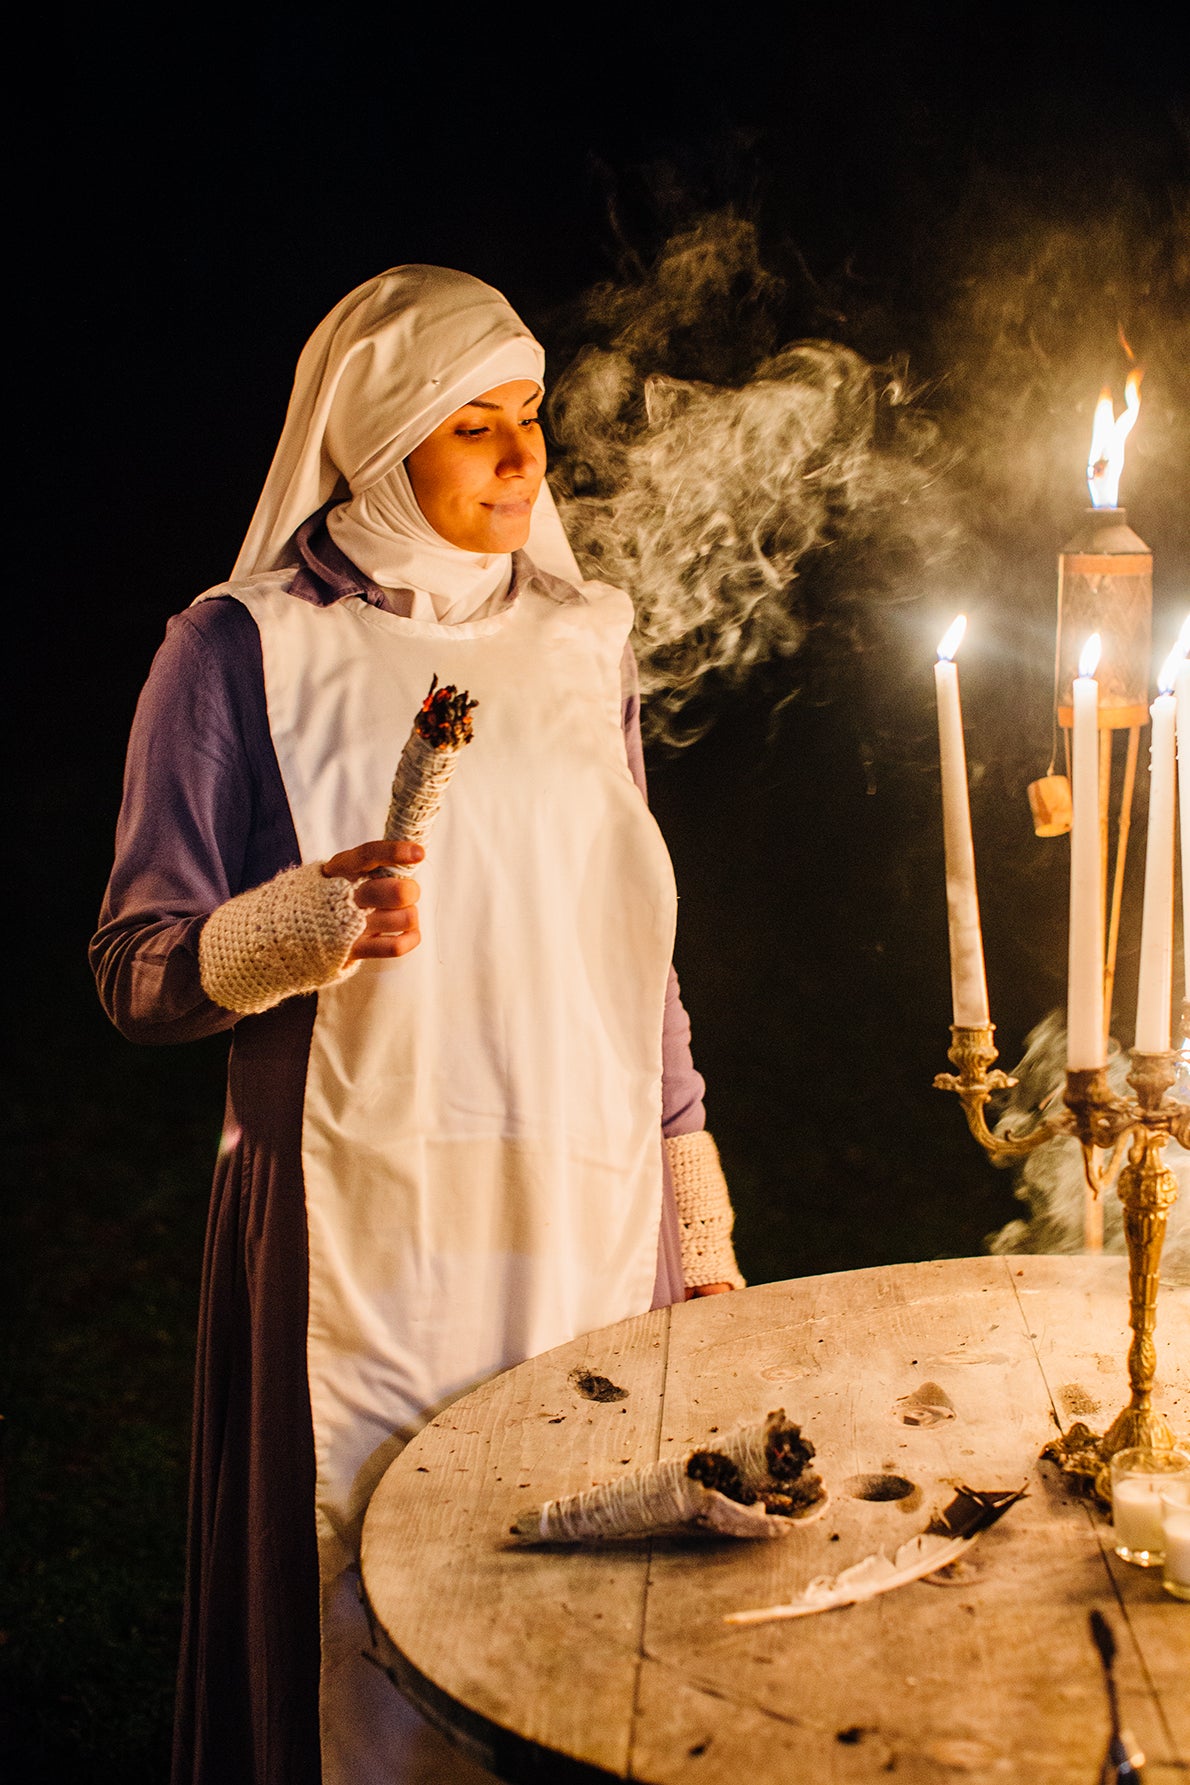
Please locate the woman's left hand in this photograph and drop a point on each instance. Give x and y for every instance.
(709, 1289)
(390, 905)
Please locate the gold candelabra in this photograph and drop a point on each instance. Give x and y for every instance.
(1103, 1123)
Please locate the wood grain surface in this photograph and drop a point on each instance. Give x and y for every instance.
(614, 1661)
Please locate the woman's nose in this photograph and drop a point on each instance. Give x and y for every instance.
(518, 456)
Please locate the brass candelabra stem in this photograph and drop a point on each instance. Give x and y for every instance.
(1138, 1126)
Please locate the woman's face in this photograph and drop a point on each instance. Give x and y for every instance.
(478, 474)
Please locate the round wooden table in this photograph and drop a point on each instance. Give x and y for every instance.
(614, 1661)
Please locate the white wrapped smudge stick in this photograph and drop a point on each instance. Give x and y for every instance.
(441, 731)
(757, 1483)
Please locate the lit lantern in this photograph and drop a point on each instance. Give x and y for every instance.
(1105, 581)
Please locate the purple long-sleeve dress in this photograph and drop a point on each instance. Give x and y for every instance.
(204, 817)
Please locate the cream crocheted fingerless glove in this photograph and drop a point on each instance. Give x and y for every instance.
(293, 934)
(705, 1213)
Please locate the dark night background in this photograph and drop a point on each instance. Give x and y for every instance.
(979, 204)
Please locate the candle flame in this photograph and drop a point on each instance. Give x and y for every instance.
(952, 638)
(1170, 668)
(1183, 644)
(1088, 662)
(1108, 434)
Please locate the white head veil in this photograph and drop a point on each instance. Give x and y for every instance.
(393, 359)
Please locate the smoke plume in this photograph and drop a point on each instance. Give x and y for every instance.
(744, 476)
(704, 464)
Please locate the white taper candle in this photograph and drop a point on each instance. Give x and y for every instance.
(1182, 695)
(968, 982)
(1155, 987)
(1084, 992)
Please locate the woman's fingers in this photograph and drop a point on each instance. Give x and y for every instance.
(391, 920)
(353, 864)
(389, 903)
(390, 930)
(384, 948)
(386, 894)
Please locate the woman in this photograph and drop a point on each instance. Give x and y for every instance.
(442, 1150)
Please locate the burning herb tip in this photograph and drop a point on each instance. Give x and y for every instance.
(444, 719)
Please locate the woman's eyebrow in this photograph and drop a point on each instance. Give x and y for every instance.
(480, 403)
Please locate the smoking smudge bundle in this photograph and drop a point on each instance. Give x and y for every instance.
(441, 730)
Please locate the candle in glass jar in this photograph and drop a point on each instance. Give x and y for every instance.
(1155, 987)
(1084, 1009)
(1143, 1482)
(1136, 1515)
(1175, 1540)
(968, 982)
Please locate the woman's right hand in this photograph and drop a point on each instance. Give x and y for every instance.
(390, 904)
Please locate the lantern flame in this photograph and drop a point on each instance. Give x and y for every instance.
(952, 638)
(1088, 661)
(1108, 434)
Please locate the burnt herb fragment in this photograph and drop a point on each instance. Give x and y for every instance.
(787, 1452)
(796, 1486)
(716, 1471)
(596, 1388)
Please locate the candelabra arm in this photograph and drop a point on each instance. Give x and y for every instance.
(1013, 1145)
(1102, 1178)
(1097, 1116)
(1151, 1076)
(972, 1050)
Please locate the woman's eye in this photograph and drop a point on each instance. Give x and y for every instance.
(477, 433)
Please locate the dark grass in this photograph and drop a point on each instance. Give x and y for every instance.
(100, 1274)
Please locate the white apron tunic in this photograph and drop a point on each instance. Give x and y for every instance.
(481, 1135)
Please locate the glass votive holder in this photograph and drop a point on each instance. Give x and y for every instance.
(1175, 1533)
(1139, 1478)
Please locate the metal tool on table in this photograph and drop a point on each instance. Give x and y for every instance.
(1123, 1761)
